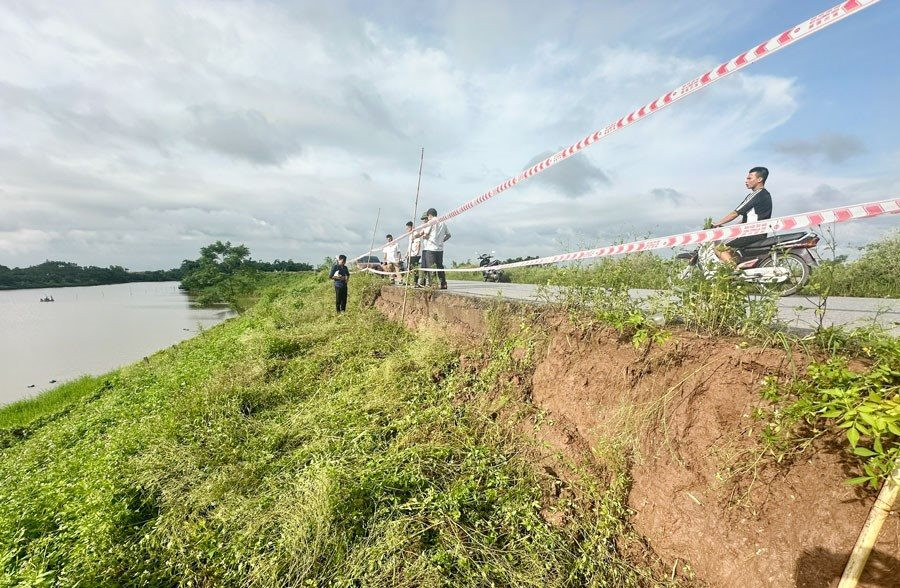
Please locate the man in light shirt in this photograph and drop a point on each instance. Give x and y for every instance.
(413, 256)
(392, 258)
(433, 238)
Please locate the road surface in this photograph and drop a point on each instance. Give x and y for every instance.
(798, 312)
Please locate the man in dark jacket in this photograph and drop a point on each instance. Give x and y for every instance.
(757, 206)
(340, 275)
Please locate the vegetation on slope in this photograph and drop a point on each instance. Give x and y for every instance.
(291, 447)
(225, 273)
(862, 404)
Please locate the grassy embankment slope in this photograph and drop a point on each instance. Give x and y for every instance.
(289, 447)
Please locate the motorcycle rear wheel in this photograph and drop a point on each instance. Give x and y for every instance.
(799, 274)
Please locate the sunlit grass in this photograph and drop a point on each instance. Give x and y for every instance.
(291, 447)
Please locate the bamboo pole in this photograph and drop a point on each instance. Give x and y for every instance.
(374, 230)
(869, 533)
(409, 248)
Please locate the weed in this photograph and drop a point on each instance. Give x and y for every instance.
(723, 306)
(864, 404)
(875, 274)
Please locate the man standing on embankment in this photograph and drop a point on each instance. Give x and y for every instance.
(413, 256)
(340, 275)
(433, 238)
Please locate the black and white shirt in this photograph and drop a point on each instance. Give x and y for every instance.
(756, 206)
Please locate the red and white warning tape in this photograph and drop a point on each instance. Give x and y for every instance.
(764, 49)
(783, 223)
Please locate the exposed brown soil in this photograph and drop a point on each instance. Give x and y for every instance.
(700, 494)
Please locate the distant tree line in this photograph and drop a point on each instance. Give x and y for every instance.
(52, 274)
(518, 259)
(56, 274)
(280, 265)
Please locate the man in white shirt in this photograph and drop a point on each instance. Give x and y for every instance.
(392, 258)
(413, 256)
(433, 238)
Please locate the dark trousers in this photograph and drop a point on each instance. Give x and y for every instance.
(433, 259)
(413, 268)
(340, 298)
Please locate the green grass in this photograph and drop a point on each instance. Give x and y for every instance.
(290, 447)
(19, 418)
(862, 402)
(875, 274)
(640, 270)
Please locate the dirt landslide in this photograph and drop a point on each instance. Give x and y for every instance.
(703, 499)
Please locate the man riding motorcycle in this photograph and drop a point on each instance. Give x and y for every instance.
(757, 205)
(780, 264)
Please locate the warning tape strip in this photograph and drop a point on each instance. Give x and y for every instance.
(783, 223)
(764, 49)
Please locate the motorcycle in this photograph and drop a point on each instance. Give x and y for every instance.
(776, 265)
(486, 261)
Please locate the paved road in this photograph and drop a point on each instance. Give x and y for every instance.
(797, 311)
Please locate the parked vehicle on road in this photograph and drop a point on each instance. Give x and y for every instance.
(486, 261)
(369, 262)
(778, 265)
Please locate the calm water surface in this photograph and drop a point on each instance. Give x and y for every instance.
(89, 330)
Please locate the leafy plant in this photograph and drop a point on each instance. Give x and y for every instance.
(865, 405)
(721, 305)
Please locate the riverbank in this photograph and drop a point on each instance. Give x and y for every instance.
(286, 446)
(90, 330)
(63, 274)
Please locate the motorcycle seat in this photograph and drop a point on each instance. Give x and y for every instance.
(774, 240)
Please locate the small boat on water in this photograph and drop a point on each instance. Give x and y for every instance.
(47, 299)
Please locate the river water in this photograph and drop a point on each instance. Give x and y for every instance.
(90, 330)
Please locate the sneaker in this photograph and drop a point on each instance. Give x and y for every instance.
(443, 286)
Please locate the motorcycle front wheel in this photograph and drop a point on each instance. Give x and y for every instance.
(799, 274)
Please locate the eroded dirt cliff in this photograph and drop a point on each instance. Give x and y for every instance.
(702, 493)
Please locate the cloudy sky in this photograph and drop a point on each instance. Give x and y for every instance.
(136, 132)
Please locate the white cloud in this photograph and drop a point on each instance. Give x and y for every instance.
(137, 134)
(22, 241)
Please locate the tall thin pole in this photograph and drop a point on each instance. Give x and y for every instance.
(884, 503)
(374, 230)
(411, 237)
